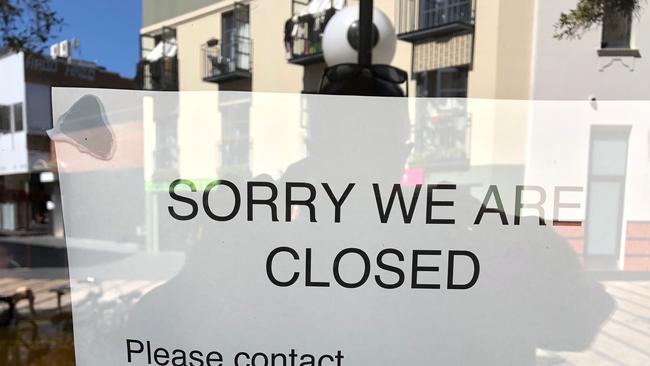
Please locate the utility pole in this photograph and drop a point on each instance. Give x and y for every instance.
(365, 32)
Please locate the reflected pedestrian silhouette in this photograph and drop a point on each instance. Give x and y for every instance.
(531, 293)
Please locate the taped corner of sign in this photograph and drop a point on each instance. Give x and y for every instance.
(86, 126)
(55, 134)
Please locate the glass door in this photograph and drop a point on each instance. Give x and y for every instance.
(605, 195)
(228, 42)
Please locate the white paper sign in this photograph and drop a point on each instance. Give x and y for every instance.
(280, 229)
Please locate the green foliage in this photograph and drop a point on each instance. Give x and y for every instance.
(588, 13)
(27, 25)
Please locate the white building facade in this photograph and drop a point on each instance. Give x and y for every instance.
(610, 151)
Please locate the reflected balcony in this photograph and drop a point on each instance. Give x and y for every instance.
(158, 65)
(421, 20)
(226, 60)
(303, 32)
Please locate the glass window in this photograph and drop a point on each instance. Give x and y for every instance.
(18, 117)
(5, 119)
(452, 82)
(228, 35)
(444, 83)
(434, 13)
(617, 28)
(235, 41)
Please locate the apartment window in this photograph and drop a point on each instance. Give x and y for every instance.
(18, 117)
(9, 113)
(5, 119)
(235, 37)
(228, 35)
(158, 68)
(617, 28)
(445, 83)
(439, 12)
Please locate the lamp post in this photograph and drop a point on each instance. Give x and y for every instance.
(365, 32)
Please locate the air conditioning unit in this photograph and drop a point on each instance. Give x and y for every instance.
(54, 50)
(64, 49)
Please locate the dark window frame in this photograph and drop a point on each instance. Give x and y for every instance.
(18, 117)
(616, 31)
(430, 83)
(5, 122)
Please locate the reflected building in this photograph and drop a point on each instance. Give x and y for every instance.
(29, 190)
(501, 49)
(197, 256)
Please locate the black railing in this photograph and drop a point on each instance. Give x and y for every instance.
(304, 33)
(158, 66)
(306, 44)
(161, 74)
(431, 17)
(229, 60)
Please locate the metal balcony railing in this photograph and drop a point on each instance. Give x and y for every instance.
(306, 47)
(161, 74)
(158, 66)
(419, 19)
(229, 59)
(304, 30)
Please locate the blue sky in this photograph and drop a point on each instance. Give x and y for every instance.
(107, 29)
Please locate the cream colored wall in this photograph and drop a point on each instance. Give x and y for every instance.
(482, 81)
(482, 77)
(502, 49)
(193, 30)
(403, 52)
(271, 71)
(516, 24)
(190, 36)
(501, 69)
(514, 65)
